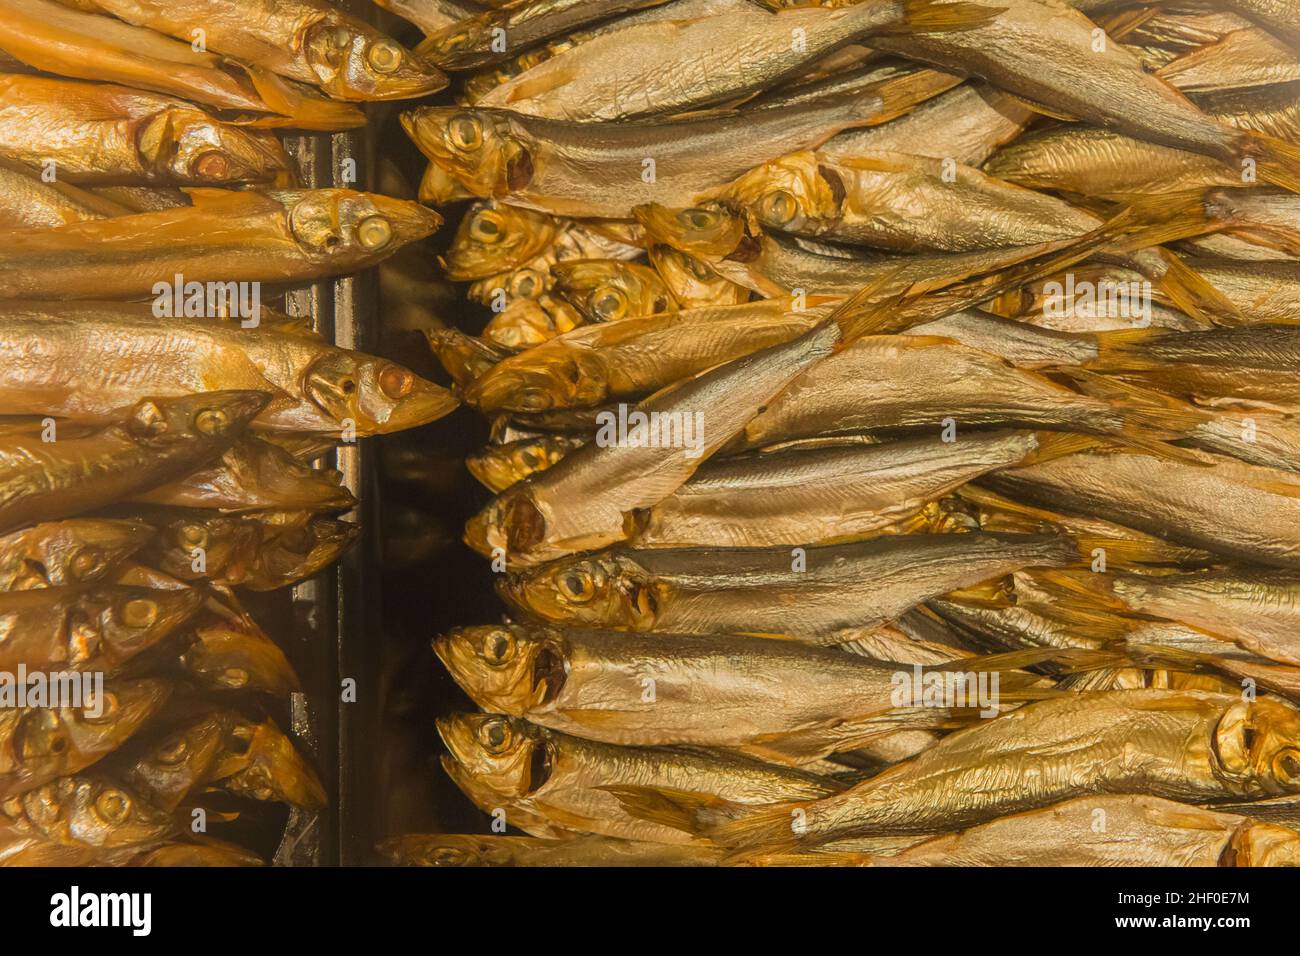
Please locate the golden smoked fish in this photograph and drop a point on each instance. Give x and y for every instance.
(305, 40)
(96, 133)
(159, 440)
(225, 237)
(71, 552)
(28, 202)
(455, 849)
(820, 595)
(311, 385)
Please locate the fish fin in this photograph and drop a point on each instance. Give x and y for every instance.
(800, 747)
(1194, 294)
(1042, 109)
(1279, 161)
(594, 718)
(1171, 216)
(899, 95)
(232, 202)
(1149, 419)
(769, 828)
(818, 858)
(866, 311)
(689, 812)
(1053, 445)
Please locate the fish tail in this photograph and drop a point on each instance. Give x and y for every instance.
(1144, 419)
(1278, 162)
(1194, 294)
(693, 813)
(1168, 217)
(770, 828)
(1052, 445)
(870, 310)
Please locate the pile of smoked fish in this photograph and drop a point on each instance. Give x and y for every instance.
(161, 430)
(894, 439)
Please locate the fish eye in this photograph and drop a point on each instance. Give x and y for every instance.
(193, 536)
(533, 399)
(499, 647)
(211, 421)
(113, 806)
(396, 382)
(495, 735)
(576, 586)
(233, 677)
(486, 227)
(529, 458)
(448, 856)
(174, 751)
(212, 165)
(697, 218)
(374, 232)
(384, 56)
(524, 284)
(1286, 767)
(779, 206)
(609, 303)
(84, 563)
(139, 612)
(465, 132)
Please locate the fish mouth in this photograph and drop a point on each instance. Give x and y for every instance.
(426, 402)
(549, 675)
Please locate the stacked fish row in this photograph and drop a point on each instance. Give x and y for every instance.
(160, 423)
(894, 443)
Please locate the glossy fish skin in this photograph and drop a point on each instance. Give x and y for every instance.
(561, 777)
(745, 693)
(100, 134)
(225, 236)
(632, 358)
(1254, 609)
(759, 591)
(1137, 831)
(692, 282)
(64, 553)
(431, 15)
(161, 440)
(99, 628)
(1234, 509)
(27, 202)
(39, 744)
(500, 466)
(471, 43)
(1023, 345)
(608, 290)
(1277, 15)
(965, 124)
(76, 820)
(258, 550)
(253, 475)
(173, 766)
(820, 495)
(56, 39)
(494, 238)
(315, 386)
(1256, 362)
(209, 853)
(1183, 745)
(304, 40)
(463, 357)
(574, 169)
(454, 849)
(915, 382)
(676, 65)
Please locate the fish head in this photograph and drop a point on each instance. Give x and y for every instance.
(373, 396)
(180, 761)
(711, 230)
(117, 624)
(218, 417)
(1256, 747)
(109, 717)
(353, 62)
(258, 761)
(41, 741)
(228, 657)
(795, 193)
(1265, 844)
(478, 149)
(462, 356)
(351, 229)
(85, 550)
(224, 543)
(505, 668)
(95, 811)
(494, 238)
(605, 590)
(540, 380)
(500, 466)
(528, 322)
(510, 523)
(504, 754)
(299, 547)
(606, 290)
(188, 146)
